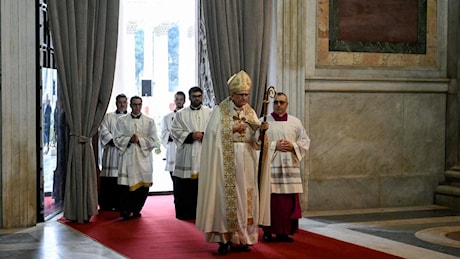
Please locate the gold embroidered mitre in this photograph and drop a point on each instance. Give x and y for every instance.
(239, 81)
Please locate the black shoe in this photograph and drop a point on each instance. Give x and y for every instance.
(223, 249)
(284, 238)
(268, 237)
(125, 215)
(240, 248)
(137, 215)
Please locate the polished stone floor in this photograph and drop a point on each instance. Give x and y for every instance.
(426, 232)
(430, 232)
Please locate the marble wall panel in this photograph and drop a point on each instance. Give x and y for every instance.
(355, 134)
(343, 193)
(403, 191)
(424, 134)
(363, 143)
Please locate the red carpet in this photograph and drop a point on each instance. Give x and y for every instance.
(158, 234)
(51, 208)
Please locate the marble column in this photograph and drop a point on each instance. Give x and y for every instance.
(20, 116)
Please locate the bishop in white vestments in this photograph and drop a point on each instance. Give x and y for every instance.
(228, 193)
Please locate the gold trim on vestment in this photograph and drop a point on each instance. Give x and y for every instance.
(250, 196)
(229, 165)
(140, 184)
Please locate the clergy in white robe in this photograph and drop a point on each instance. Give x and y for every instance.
(166, 139)
(109, 193)
(136, 137)
(187, 130)
(228, 192)
(168, 142)
(288, 144)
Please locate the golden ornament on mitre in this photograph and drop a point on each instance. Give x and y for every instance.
(239, 82)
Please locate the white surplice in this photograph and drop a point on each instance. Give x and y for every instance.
(285, 166)
(188, 155)
(170, 146)
(136, 162)
(110, 153)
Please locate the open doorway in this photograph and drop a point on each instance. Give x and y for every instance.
(156, 57)
(51, 127)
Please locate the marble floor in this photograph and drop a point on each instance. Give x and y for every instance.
(429, 232)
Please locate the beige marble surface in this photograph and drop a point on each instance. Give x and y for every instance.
(374, 149)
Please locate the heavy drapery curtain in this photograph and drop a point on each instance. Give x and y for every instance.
(85, 34)
(238, 37)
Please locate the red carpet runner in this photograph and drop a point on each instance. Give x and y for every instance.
(158, 234)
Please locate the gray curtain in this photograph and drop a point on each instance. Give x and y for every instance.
(238, 37)
(85, 34)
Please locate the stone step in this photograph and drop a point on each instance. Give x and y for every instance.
(447, 201)
(453, 184)
(448, 193)
(452, 176)
(448, 190)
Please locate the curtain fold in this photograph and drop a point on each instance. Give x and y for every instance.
(85, 34)
(238, 37)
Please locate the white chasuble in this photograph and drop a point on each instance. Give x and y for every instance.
(228, 194)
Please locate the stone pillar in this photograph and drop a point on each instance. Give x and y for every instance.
(19, 113)
(291, 59)
(291, 62)
(453, 99)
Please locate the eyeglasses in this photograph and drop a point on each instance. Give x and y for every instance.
(279, 102)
